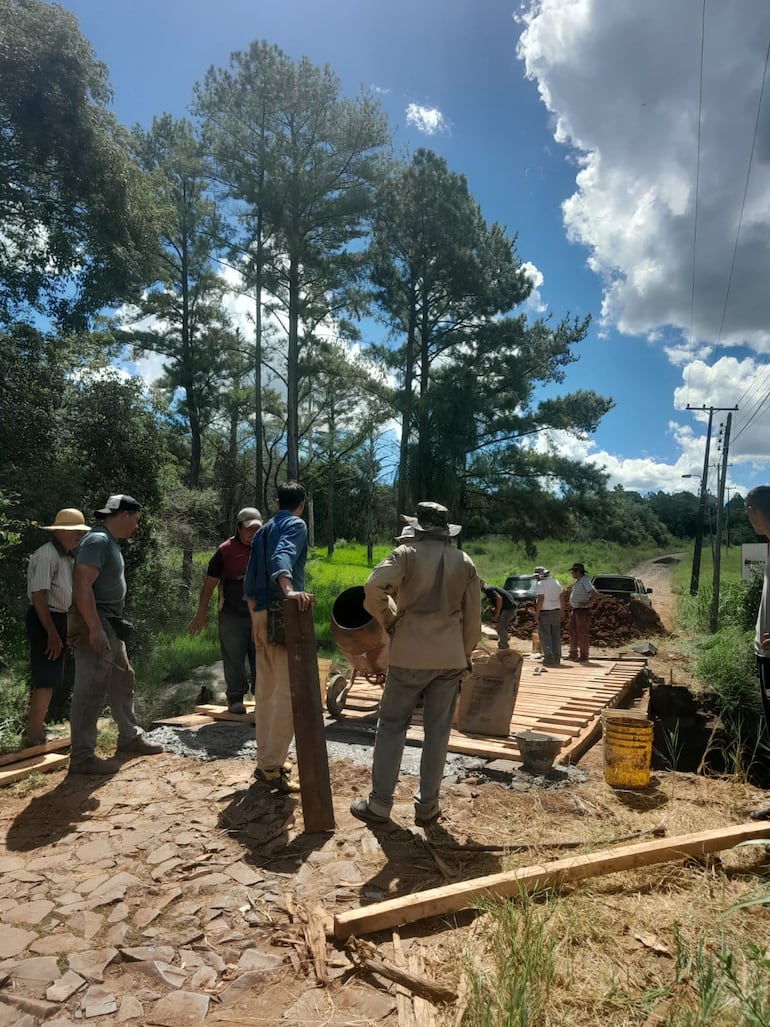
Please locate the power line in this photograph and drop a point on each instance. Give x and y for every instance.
(697, 186)
(743, 201)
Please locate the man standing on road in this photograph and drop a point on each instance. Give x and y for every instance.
(502, 607)
(276, 571)
(581, 597)
(49, 590)
(548, 616)
(758, 513)
(98, 631)
(227, 569)
(427, 596)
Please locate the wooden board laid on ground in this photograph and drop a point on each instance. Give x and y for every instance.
(451, 898)
(43, 763)
(565, 701)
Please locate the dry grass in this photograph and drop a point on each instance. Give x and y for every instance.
(654, 946)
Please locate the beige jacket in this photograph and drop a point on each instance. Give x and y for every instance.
(427, 596)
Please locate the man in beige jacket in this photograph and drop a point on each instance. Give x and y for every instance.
(426, 595)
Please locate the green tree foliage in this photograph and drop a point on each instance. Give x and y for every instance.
(438, 271)
(187, 322)
(77, 224)
(446, 284)
(71, 433)
(301, 160)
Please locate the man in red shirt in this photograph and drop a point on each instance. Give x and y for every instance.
(226, 569)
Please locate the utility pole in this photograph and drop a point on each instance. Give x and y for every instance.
(696, 555)
(718, 548)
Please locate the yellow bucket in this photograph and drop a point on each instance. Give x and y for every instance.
(627, 748)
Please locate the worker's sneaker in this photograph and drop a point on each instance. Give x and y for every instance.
(361, 809)
(139, 746)
(238, 708)
(94, 765)
(278, 779)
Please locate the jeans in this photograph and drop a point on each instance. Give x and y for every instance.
(99, 677)
(236, 646)
(549, 629)
(399, 698)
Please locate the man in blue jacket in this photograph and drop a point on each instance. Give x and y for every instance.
(276, 571)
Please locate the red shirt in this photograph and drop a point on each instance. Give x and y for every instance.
(229, 565)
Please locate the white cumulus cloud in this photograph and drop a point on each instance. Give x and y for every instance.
(428, 120)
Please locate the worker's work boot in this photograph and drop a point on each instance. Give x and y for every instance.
(95, 766)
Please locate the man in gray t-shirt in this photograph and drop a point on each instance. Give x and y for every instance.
(97, 631)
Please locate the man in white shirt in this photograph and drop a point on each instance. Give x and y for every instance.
(49, 590)
(548, 614)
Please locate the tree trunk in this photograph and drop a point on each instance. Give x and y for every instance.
(292, 374)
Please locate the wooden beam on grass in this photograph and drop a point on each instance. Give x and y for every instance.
(453, 897)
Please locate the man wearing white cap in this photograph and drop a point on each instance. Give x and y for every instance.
(49, 590)
(98, 632)
(227, 569)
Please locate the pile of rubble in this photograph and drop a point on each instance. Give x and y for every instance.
(613, 623)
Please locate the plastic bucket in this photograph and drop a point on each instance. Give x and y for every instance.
(627, 748)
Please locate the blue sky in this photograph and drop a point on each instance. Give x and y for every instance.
(590, 128)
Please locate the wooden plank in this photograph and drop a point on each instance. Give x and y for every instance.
(191, 720)
(216, 712)
(55, 745)
(451, 898)
(312, 758)
(43, 764)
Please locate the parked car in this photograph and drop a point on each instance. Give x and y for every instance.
(523, 587)
(623, 587)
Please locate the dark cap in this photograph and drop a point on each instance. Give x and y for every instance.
(578, 567)
(116, 504)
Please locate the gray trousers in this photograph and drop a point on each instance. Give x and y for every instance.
(503, 622)
(549, 629)
(399, 698)
(99, 677)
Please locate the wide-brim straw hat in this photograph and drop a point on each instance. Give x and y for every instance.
(68, 519)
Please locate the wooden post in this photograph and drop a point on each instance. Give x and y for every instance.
(312, 759)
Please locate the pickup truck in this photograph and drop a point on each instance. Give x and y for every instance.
(623, 587)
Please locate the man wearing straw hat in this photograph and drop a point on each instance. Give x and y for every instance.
(49, 590)
(426, 595)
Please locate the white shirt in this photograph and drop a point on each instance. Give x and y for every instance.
(551, 591)
(49, 571)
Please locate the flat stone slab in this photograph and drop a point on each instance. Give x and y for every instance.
(92, 963)
(181, 1007)
(14, 940)
(99, 1001)
(65, 987)
(142, 953)
(31, 913)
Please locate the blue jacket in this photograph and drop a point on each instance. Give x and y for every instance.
(283, 541)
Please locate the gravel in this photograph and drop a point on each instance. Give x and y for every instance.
(233, 741)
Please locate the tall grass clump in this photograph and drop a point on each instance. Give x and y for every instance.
(512, 984)
(726, 665)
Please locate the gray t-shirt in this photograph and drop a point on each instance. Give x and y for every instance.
(99, 549)
(763, 617)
